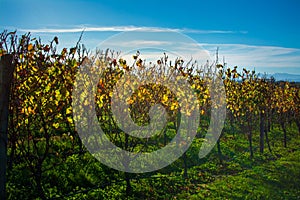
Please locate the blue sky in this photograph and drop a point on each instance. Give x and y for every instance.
(264, 35)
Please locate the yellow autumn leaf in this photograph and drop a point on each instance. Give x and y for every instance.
(69, 119)
(164, 99)
(174, 106)
(30, 110)
(130, 101)
(41, 130)
(69, 110)
(35, 69)
(202, 112)
(55, 125)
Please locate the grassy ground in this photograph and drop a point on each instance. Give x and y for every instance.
(272, 175)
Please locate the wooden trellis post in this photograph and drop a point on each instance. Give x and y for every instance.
(6, 76)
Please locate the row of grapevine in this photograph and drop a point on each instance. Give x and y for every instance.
(41, 133)
(258, 102)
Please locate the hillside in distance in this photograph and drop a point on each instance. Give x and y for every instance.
(284, 77)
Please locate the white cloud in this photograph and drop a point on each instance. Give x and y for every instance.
(257, 56)
(140, 43)
(127, 28)
(268, 58)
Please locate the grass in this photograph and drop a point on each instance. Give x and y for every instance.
(273, 175)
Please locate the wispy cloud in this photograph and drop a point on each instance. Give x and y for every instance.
(128, 28)
(141, 43)
(267, 58)
(257, 56)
